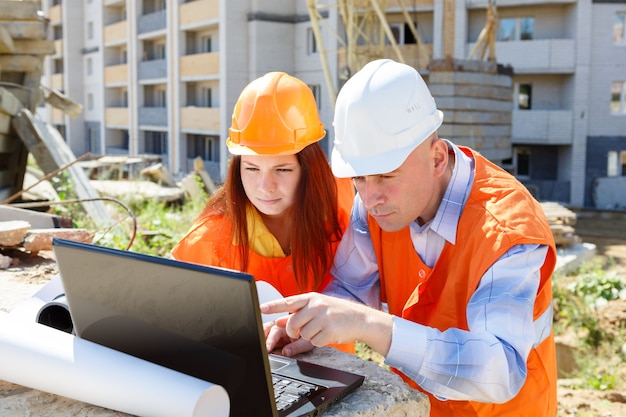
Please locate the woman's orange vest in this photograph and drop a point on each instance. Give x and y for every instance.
(209, 242)
(499, 214)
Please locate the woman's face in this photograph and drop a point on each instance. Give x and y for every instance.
(271, 181)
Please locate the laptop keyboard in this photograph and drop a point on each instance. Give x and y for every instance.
(288, 392)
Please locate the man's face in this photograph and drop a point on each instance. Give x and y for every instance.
(410, 192)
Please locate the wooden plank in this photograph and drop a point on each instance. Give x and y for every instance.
(24, 29)
(34, 47)
(5, 177)
(36, 219)
(51, 152)
(6, 42)
(5, 123)
(18, 9)
(8, 143)
(20, 63)
(9, 104)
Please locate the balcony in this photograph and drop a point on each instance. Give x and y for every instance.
(541, 56)
(542, 127)
(153, 116)
(155, 69)
(116, 33)
(116, 117)
(199, 65)
(202, 119)
(196, 12)
(152, 22)
(54, 14)
(57, 82)
(116, 74)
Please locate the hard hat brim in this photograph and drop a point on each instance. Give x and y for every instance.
(237, 149)
(380, 163)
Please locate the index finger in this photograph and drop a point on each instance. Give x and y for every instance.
(285, 305)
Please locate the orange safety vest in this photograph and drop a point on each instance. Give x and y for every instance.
(499, 214)
(209, 242)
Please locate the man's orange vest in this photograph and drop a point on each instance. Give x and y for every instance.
(499, 214)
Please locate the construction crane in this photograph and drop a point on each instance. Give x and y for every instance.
(487, 38)
(367, 34)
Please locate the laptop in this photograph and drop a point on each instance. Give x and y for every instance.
(201, 321)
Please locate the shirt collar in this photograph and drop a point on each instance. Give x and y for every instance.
(447, 217)
(261, 240)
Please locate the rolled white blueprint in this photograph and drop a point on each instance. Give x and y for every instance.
(46, 359)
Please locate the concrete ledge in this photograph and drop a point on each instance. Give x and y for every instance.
(383, 393)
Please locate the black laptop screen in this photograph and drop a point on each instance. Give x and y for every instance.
(182, 316)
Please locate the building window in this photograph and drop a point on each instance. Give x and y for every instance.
(92, 139)
(524, 96)
(317, 93)
(160, 97)
(124, 97)
(89, 30)
(89, 66)
(206, 98)
(402, 34)
(206, 147)
(57, 66)
(123, 56)
(311, 42)
(516, 29)
(57, 33)
(522, 162)
(619, 29)
(206, 44)
(618, 97)
(616, 164)
(90, 103)
(155, 143)
(159, 51)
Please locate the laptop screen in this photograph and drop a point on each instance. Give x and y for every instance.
(183, 316)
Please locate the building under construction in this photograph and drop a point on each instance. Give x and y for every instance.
(161, 77)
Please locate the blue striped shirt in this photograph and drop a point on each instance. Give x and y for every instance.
(486, 363)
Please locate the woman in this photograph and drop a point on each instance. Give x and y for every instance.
(281, 213)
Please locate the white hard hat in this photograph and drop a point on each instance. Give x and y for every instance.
(382, 114)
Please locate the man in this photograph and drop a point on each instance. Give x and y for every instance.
(449, 256)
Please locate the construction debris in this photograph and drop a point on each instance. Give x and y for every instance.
(19, 235)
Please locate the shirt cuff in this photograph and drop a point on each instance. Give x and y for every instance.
(408, 347)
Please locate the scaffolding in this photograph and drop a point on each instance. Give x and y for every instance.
(367, 34)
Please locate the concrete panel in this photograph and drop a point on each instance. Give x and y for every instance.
(608, 193)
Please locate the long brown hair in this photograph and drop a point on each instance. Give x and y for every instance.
(315, 224)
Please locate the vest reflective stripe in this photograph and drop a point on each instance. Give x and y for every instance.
(543, 326)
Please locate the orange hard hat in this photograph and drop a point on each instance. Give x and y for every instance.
(275, 114)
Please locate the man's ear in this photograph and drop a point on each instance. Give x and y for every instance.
(439, 150)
